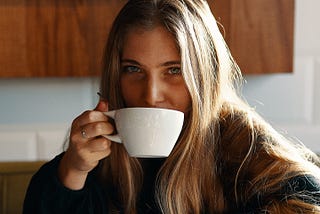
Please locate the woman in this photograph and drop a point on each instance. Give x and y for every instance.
(170, 54)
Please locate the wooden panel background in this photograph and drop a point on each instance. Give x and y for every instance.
(49, 38)
(259, 33)
(62, 38)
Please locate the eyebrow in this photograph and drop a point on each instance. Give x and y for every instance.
(169, 63)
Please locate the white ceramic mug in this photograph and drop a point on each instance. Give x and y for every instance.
(147, 132)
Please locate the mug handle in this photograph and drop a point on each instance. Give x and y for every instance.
(115, 137)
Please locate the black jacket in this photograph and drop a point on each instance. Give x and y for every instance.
(46, 194)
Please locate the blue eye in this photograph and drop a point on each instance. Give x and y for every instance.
(131, 69)
(175, 70)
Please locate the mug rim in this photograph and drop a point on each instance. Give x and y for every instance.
(148, 108)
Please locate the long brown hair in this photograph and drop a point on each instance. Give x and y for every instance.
(212, 162)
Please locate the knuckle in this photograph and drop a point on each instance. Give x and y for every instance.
(91, 116)
(74, 123)
(109, 128)
(81, 117)
(103, 128)
(108, 152)
(73, 139)
(106, 142)
(87, 112)
(98, 126)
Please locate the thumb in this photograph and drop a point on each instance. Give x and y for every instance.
(102, 106)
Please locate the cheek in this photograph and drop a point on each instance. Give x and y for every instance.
(182, 99)
(130, 92)
(187, 102)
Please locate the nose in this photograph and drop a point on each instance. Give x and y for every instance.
(154, 91)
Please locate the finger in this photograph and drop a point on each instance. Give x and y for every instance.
(96, 129)
(95, 151)
(100, 154)
(90, 116)
(78, 138)
(102, 105)
(99, 144)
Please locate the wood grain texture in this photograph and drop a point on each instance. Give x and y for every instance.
(66, 38)
(259, 33)
(46, 38)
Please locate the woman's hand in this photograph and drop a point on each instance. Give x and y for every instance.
(86, 146)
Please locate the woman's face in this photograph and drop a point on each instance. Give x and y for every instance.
(150, 71)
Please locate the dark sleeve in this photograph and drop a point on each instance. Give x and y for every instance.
(46, 194)
(305, 188)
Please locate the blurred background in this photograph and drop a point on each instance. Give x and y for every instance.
(36, 112)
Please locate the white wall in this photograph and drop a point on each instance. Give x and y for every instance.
(292, 101)
(35, 113)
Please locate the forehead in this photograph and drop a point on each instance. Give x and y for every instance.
(152, 43)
